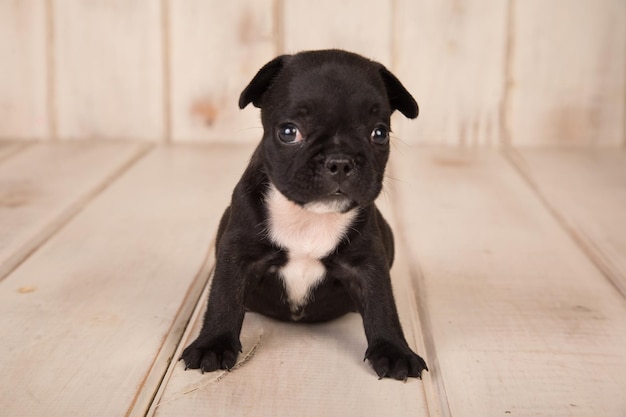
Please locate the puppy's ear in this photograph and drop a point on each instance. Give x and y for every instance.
(399, 97)
(253, 93)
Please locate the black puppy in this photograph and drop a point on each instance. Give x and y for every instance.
(302, 239)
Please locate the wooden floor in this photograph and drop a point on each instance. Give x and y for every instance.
(510, 281)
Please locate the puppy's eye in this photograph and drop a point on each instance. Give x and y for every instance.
(380, 135)
(289, 133)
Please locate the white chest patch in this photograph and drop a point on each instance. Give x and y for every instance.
(307, 236)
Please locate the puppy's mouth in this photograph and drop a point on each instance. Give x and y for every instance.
(336, 202)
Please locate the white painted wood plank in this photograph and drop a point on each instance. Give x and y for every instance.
(301, 370)
(94, 315)
(109, 69)
(451, 56)
(522, 322)
(568, 72)
(23, 84)
(216, 48)
(359, 26)
(412, 314)
(587, 188)
(42, 187)
(304, 370)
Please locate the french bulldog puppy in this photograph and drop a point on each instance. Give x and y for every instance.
(302, 239)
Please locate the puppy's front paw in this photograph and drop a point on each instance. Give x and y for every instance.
(392, 361)
(211, 354)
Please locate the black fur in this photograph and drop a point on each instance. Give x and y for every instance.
(336, 99)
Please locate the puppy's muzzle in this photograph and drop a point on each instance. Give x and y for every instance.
(339, 168)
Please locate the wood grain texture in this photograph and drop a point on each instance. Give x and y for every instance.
(97, 310)
(215, 49)
(109, 69)
(23, 87)
(291, 370)
(587, 190)
(43, 186)
(301, 370)
(506, 308)
(568, 73)
(483, 71)
(361, 27)
(451, 56)
(522, 322)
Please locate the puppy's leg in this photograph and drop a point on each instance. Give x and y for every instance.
(217, 346)
(388, 352)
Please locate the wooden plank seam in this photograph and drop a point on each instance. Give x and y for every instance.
(22, 254)
(435, 389)
(505, 100)
(437, 396)
(196, 305)
(587, 244)
(166, 360)
(51, 99)
(166, 37)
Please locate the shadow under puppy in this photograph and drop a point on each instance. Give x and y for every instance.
(302, 239)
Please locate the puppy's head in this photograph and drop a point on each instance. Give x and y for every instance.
(326, 120)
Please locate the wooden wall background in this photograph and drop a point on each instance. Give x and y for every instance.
(485, 72)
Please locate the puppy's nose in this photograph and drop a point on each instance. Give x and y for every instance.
(339, 166)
